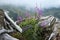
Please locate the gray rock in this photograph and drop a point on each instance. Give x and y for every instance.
(7, 37)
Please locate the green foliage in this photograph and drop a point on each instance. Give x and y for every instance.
(34, 32)
(26, 22)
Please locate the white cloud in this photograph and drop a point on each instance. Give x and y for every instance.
(32, 3)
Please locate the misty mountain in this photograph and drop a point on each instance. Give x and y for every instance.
(15, 11)
(52, 11)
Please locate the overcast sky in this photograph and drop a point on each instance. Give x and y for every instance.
(32, 3)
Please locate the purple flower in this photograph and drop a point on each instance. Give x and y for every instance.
(39, 11)
(44, 23)
(27, 14)
(20, 18)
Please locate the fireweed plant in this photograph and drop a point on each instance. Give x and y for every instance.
(35, 32)
(27, 14)
(19, 18)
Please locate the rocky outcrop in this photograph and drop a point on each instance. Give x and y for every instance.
(4, 32)
(51, 23)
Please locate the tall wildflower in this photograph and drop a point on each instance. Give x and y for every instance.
(19, 18)
(27, 15)
(39, 11)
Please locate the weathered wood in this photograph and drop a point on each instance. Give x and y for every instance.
(6, 37)
(1, 17)
(3, 31)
